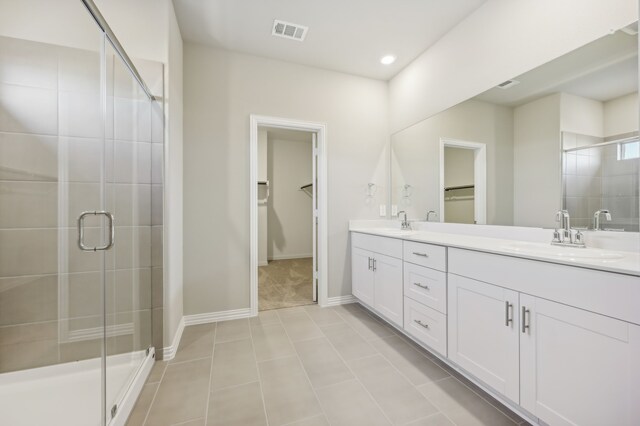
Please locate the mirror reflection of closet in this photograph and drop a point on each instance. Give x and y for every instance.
(459, 185)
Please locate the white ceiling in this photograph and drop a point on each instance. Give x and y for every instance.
(602, 70)
(344, 35)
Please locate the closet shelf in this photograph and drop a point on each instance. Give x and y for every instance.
(453, 188)
(306, 186)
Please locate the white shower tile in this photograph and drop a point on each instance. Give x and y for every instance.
(28, 63)
(28, 110)
(28, 157)
(80, 114)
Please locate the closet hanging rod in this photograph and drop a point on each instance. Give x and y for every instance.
(453, 188)
(263, 182)
(104, 26)
(306, 186)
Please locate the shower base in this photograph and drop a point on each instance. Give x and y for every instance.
(70, 394)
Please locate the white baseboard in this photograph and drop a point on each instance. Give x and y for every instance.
(263, 263)
(217, 316)
(340, 300)
(170, 351)
(291, 256)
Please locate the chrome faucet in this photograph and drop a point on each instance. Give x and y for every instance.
(405, 222)
(596, 218)
(429, 214)
(564, 235)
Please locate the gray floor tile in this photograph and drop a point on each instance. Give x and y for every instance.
(288, 396)
(271, 341)
(234, 363)
(321, 362)
(196, 342)
(323, 316)
(237, 406)
(411, 363)
(367, 326)
(229, 331)
(140, 410)
(311, 421)
(183, 393)
(349, 404)
(348, 343)
(157, 371)
(299, 326)
(265, 317)
(398, 398)
(461, 405)
(437, 419)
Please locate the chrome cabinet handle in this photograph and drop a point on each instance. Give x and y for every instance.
(112, 231)
(420, 254)
(426, 287)
(369, 263)
(508, 319)
(420, 323)
(525, 322)
(375, 265)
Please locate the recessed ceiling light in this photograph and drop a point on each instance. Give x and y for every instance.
(387, 60)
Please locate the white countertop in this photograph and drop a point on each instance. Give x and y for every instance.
(622, 262)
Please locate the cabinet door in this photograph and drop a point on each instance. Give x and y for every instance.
(388, 288)
(483, 333)
(362, 275)
(577, 367)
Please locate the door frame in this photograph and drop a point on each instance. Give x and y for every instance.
(479, 172)
(284, 123)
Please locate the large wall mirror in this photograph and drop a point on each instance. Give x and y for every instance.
(561, 136)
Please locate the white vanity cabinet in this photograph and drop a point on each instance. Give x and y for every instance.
(377, 274)
(564, 364)
(483, 333)
(577, 367)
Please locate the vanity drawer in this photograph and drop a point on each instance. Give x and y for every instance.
(426, 325)
(426, 285)
(428, 255)
(383, 245)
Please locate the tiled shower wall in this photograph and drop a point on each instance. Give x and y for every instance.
(595, 179)
(51, 169)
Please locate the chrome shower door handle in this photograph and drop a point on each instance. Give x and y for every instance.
(112, 231)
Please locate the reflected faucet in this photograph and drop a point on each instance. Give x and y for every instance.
(564, 235)
(429, 214)
(405, 222)
(596, 218)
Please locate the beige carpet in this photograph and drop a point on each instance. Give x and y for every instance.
(285, 283)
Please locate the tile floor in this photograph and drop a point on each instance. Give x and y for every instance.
(309, 366)
(285, 283)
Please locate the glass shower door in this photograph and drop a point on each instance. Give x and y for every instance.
(128, 196)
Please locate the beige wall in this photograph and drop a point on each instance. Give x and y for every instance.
(581, 115)
(500, 40)
(416, 158)
(536, 162)
(221, 90)
(290, 209)
(621, 115)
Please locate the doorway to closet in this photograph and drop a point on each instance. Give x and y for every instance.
(288, 214)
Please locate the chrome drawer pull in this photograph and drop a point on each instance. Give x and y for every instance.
(525, 319)
(420, 254)
(508, 316)
(426, 287)
(420, 323)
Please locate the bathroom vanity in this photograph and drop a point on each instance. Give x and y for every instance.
(553, 332)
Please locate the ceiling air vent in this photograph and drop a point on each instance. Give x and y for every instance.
(507, 84)
(289, 30)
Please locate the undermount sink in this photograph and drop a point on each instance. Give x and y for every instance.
(564, 252)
